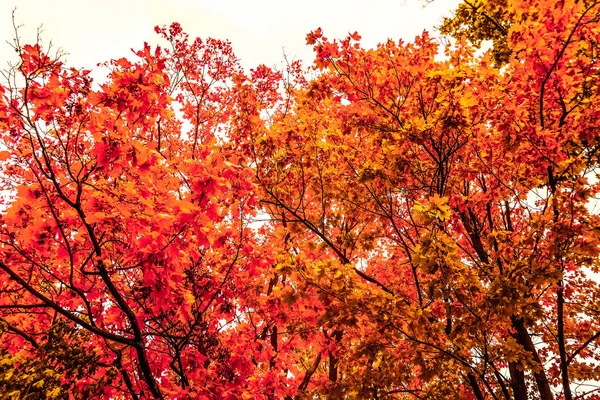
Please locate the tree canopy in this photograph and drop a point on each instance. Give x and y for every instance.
(407, 221)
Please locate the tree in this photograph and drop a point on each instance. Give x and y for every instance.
(125, 226)
(462, 197)
(387, 224)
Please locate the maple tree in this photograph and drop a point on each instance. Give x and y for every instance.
(389, 223)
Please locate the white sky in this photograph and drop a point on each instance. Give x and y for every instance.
(92, 31)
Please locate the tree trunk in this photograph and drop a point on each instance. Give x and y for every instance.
(517, 382)
(524, 339)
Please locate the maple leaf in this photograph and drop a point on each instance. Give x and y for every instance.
(314, 36)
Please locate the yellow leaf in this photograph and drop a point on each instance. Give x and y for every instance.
(54, 393)
(440, 207)
(15, 394)
(468, 101)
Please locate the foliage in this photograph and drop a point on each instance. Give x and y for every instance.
(386, 224)
(62, 365)
(483, 20)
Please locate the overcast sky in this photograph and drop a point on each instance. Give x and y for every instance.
(98, 30)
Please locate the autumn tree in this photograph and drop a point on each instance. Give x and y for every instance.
(126, 227)
(446, 211)
(388, 223)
